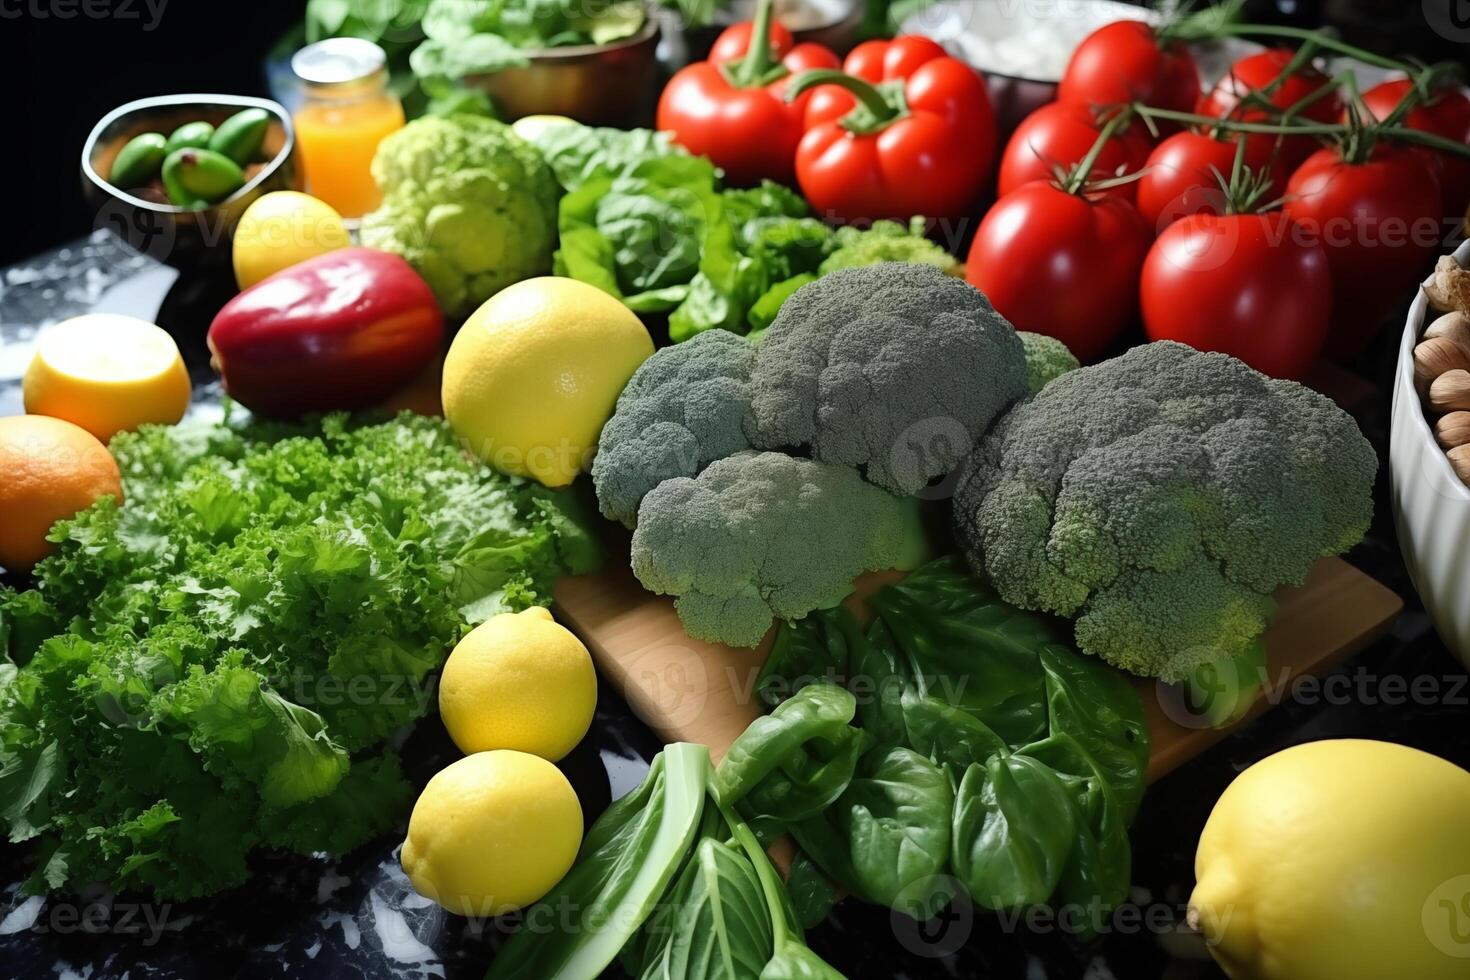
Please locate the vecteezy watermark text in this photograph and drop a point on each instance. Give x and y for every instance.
(148, 12)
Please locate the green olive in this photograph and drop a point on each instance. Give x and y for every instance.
(195, 134)
(138, 161)
(194, 177)
(239, 137)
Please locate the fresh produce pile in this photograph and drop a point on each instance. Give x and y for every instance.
(742, 327)
(175, 691)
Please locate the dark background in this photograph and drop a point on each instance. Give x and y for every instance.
(60, 74)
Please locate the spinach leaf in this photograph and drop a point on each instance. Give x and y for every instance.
(812, 892)
(793, 763)
(802, 653)
(947, 735)
(577, 153)
(1015, 824)
(887, 838)
(627, 860)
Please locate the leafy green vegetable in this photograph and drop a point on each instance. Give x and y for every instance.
(990, 754)
(577, 153)
(218, 665)
(675, 885)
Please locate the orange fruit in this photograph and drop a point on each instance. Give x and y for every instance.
(107, 373)
(49, 471)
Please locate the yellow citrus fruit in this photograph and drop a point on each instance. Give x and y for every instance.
(534, 374)
(530, 127)
(49, 470)
(107, 373)
(492, 833)
(281, 229)
(1339, 860)
(518, 681)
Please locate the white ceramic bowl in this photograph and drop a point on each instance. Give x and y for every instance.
(1431, 506)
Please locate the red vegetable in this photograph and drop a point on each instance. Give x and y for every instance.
(732, 109)
(1061, 264)
(903, 130)
(1126, 61)
(341, 331)
(1258, 73)
(1179, 176)
(1447, 114)
(1249, 285)
(1379, 222)
(1059, 134)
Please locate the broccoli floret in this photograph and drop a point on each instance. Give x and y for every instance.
(1159, 499)
(764, 535)
(470, 205)
(684, 408)
(1047, 359)
(896, 368)
(887, 241)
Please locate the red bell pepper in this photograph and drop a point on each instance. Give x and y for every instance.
(341, 331)
(904, 129)
(732, 109)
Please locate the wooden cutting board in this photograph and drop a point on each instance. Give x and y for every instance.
(690, 691)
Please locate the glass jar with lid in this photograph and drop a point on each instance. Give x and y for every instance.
(346, 110)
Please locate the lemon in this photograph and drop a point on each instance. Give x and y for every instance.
(281, 229)
(492, 833)
(518, 681)
(107, 373)
(1339, 860)
(534, 374)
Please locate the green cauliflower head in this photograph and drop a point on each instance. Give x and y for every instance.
(1159, 498)
(895, 368)
(470, 205)
(683, 408)
(763, 535)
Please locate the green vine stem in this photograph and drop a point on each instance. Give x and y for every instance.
(757, 67)
(1078, 178)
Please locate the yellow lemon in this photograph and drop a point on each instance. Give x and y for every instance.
(530, 127)
(1339, 860)
(534, 374)
(492, 833)
(107, 373)
(518, 681)
(281, 229)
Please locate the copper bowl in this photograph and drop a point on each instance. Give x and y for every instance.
(181, 237)
(597, 84)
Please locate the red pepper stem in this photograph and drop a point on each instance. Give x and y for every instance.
(864, 91)
(757, 63)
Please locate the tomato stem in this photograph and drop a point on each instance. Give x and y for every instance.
(1235, 125)
(1077, 179)
(1205, 31)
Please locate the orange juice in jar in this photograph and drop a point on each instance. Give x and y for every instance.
(346, 111)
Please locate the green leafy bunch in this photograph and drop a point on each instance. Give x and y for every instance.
(216, 666)
(954, 744)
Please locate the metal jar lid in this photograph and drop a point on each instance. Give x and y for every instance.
(339, 61)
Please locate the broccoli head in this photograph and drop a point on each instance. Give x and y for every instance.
(896, 368)
(1047, 359)
(764, 535)
(888, 241)
(684, 408)
(1159, 498)
(467, 203)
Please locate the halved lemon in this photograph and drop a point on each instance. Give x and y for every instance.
(107, 373)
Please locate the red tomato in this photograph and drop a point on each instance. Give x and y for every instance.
(1447, 114)
(1061, 264)
(1254, 73)
(1060, 134)
(1378, 221)
(1125, 62)
(1248, 285)
(1178, 180)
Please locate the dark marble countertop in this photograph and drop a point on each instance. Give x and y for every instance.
(358, 917)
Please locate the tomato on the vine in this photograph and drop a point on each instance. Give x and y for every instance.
(1127, 61)
(1447, 114)
(1179, 177)
(1378, 220)
(1248, 285)
(1059, 134)
(1254, 74)
(1061, 264)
